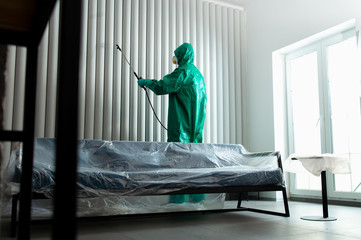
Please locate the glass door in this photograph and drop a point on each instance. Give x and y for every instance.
(324, 111)
(345, 96)
(304, 113)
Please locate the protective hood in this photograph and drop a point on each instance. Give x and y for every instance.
(184, 54)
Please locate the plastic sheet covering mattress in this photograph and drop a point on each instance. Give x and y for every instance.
(107, 168)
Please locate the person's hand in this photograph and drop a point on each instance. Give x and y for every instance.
(142, 82)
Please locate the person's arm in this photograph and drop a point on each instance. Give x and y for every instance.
(170, 83)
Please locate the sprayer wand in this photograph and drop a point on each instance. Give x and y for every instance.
(128, 62)
(146, 92)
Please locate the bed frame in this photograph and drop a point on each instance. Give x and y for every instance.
(192, 190)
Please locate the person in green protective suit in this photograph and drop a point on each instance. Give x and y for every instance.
(187, 103)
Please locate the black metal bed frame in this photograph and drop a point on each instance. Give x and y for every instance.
(191, 190)
(240, 190)
(67, 114)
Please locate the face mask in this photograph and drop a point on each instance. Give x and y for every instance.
(175, 60)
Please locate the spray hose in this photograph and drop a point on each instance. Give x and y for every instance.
(146, 92)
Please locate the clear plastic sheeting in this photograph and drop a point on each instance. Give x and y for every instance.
(120, 168)
(112, 205)
(122, 205)
(317, 163)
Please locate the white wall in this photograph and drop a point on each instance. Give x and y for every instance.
(271, 25)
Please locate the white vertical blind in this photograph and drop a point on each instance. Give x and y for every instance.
(52, 75)
(82, 70)
(238, 75)
(108, 74)
(90, 70)
(193, 28)
(231, 67)
(219, 76)
(225, 77)
(19, 91)
(212, 89)
(99, 70)
(134, 61)
(126, 77)
(206, 70)
(142, 69)
(150, 65)
(157, 64)
(41, 84)
(9, 104)
(185, 21)
(117, 102)
(166, 54)
(111, 105)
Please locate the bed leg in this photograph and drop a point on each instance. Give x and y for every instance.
(14, 214)
(239, 200)
(285, 202)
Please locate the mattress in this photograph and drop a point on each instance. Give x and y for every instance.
(106, 168)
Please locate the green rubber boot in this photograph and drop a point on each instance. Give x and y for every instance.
(177, 198)
(195, 198)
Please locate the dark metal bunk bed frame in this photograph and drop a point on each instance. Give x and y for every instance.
(13, 32)
(192, 190)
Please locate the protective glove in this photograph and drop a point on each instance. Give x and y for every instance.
(142, 82)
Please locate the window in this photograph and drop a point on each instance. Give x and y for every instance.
(324, 111)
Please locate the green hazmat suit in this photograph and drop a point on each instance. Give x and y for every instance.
(187, 97)
(187, 104)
